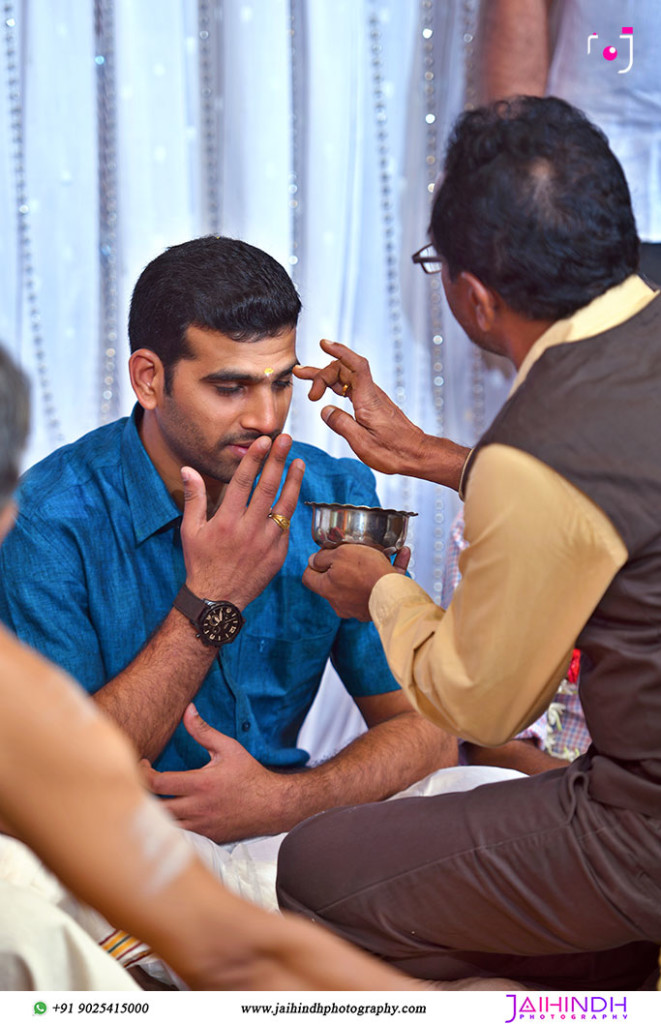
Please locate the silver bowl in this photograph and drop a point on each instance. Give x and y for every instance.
(382, 528)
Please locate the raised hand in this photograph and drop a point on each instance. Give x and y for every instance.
(234, 554)
(379, 432)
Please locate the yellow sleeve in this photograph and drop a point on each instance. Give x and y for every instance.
(540, 555)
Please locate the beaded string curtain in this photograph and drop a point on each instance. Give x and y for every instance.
(312, 128)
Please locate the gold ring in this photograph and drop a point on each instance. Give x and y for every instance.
(282, 521)
(345, 390)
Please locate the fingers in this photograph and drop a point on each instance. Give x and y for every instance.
(239, 487)
(286, 503)
(269, 482)
(195, 726)
(357, 371)
(344, 424)
(348, 369)
(336, 419)
(318, 564)
(235, 502)
(306, 372)
(315, 581)
(179, 809)
(216, 743)
(146, 772)
(321, 583)
(352, 360)
(195, 499)
(321, 560)
(186, 812)
(402, 559)
(328, 377)
(173, 783)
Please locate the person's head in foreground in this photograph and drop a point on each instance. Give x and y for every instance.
(535, 205)
(14, 424)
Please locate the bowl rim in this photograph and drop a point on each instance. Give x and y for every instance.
(338, 506)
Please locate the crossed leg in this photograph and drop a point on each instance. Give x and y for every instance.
(526, 879)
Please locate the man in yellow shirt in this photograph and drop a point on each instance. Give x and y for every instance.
(554, 879)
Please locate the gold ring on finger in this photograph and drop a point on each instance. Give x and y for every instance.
(345, 390)
(281, 520)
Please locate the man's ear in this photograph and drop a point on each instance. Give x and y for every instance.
(147, 377)
(482, 301)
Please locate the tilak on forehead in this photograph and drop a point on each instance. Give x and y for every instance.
(268, 371)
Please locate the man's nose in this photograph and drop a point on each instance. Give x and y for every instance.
(260, 412)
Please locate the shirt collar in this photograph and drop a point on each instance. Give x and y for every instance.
(614, 307)
(151, 506)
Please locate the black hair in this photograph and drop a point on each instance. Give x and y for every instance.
(217, 284)
(534, 203)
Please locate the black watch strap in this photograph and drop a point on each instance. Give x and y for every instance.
(190, 605)
(217, 622)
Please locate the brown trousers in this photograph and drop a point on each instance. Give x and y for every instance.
(527, 879)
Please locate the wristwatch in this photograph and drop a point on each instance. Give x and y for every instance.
(218, 622)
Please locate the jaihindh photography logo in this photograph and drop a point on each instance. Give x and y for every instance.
(522, 1007)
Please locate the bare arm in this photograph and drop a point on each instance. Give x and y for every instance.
(513, 54)
(148, 698)
(120, 853)
(379, 432)
(231, 557)
(522, 755)
(399, 748)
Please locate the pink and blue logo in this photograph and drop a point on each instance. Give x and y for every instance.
(610, 53)
(575, 1007)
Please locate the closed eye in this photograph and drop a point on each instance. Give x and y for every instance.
(228, 390)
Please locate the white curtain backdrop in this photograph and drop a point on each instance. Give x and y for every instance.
(311, 128)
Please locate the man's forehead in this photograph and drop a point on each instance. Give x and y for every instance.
(217, 355)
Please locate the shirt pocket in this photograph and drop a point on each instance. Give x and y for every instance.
(280, 678)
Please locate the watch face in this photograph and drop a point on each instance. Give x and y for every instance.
(221, 623)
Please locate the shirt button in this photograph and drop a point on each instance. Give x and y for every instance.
(245, 726)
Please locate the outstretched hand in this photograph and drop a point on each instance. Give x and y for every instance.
(234, 554)
(379, 432)
(231, 797)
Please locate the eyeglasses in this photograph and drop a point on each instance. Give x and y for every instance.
(428, 259)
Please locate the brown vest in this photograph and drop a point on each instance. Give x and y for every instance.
(591, 410)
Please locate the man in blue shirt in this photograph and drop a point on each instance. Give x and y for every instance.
(74, 767)
(151, 610)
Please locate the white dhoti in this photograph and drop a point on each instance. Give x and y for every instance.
(42, 947)
(51, 941)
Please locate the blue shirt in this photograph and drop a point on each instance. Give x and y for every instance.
(93, 565)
